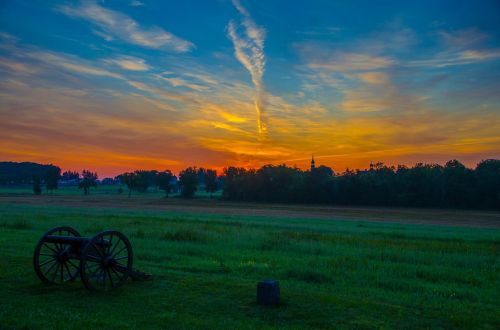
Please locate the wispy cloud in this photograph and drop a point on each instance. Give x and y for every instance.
(445, 59)
(343, 62)
(129, 63)
(249, 50)
(113, 24)
(462, 38)
(71, 63)
(136, 3)
(16, 67)
(179, 82)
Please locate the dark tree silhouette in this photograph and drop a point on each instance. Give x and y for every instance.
(19, 173)
(487, 175)
(52, 175)
(70, 175)
(458, 181)
(424, 185)
(144, 179)
(37, 189)
(89, 179)
(130, 180)
(210, 181)
(164, 180)
(188, 180)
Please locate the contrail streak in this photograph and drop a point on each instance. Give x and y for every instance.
(249, 50)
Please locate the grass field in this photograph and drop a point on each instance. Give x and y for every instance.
(332, 273)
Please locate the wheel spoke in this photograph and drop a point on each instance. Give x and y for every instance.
(117, 243)
(110, 244)
(67, 268)
(93, 258)
(45, 244)
(72, 264)
(93, 274)
(47, 255)
(88, 268)
(58, 247)
(117, 273)
(94, 267)
(110, 278)
(98, 250)
(55, 273)
(118, 253)
(120, 265)
(46, 262)
(47, 271)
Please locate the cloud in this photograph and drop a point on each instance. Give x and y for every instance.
(376, 78)
(129, 63)
(16, 67)
(249, 50)
(113, 24)
(465, 57)
(320, 31)
(71, 63)
(136, 3)
(8, 38)
(180, 82)
(462, 38)
(342, 62)
(479, 55)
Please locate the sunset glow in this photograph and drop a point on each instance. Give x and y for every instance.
(114, 86)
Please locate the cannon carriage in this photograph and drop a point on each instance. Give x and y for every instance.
(103, 262)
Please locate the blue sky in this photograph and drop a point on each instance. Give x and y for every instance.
(118, 85)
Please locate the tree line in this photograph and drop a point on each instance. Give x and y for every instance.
(189, 181)
(22, 173)
(424, 185)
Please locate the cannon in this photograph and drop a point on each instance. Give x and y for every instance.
(103, 262)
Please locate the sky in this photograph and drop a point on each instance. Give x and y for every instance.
(114, 86)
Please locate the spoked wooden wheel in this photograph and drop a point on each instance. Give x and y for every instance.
(52, 261)
(106, 261)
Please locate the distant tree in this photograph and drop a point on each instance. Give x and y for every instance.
(108, 181)
(89, 179)
(152, 179)
(420, 186)
(37, 190)
(487, 176)
(201, 176)
(188, 180)
(130, 180)
(70, 175)
(164, 181)
(234, 183)
(14, 173)
(318, 185)
(210, 181)
(458, 181)
(52, 175)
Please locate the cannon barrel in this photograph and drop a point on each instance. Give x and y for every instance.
(74, 241)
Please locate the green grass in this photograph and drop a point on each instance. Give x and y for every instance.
(101, 190)
(333, 274)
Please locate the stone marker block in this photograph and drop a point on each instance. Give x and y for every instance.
(268, 292)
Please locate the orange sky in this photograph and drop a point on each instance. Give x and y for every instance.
(108, 89)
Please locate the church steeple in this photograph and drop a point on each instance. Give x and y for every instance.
(313, 164)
